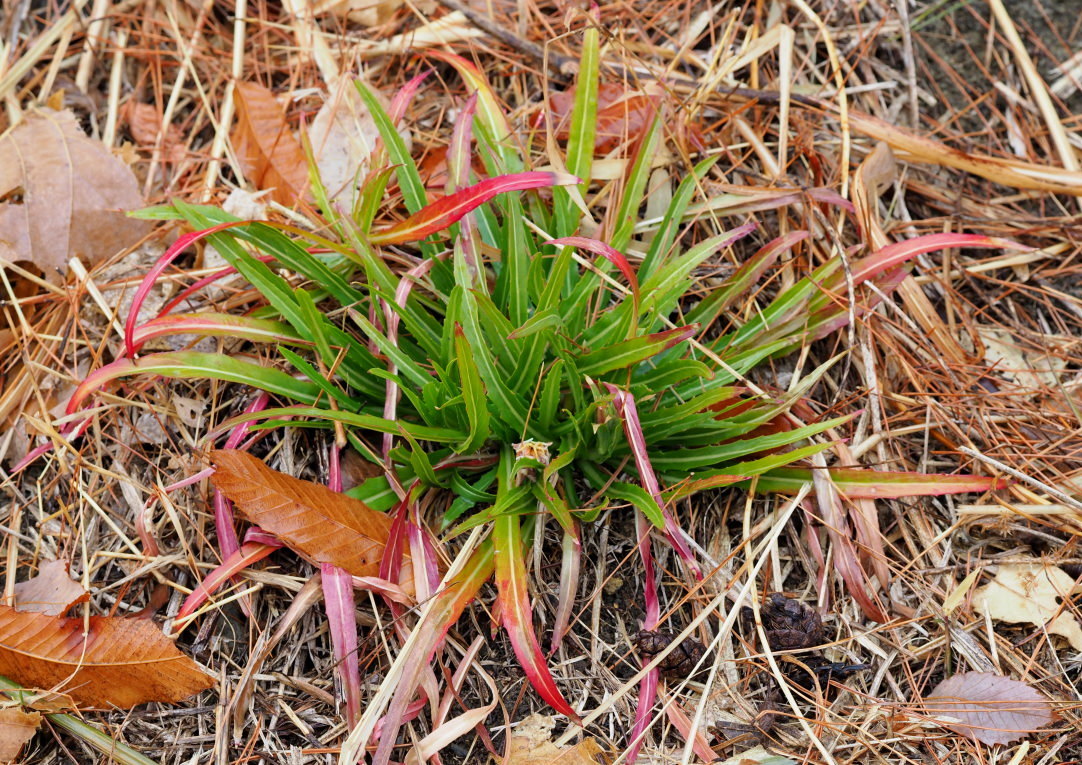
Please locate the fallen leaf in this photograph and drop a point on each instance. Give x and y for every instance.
(989, 708)
(270, 155)
(531, 745)
(1028, 366)
(621, 114)
(51, 592)
(145, 123)
(757, 756)
(63, 195)
(320, 524)
(343, 136)
(117, 662)
(1030, 593)
(16, 728)
(367, 13)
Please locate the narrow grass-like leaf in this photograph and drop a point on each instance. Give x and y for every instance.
(449, 209)
(608, 252)
(242, 558)
(409, 180)
(510, 407)
(216, 325)
(190, 365)
(636, 439)
(473, 394)
(358, 420)
(630, 352)
(875, 484)
(639, 498)
(631, 196)
(517, 618)
(707, 456)
(665, 235)
(581, 133)
(147, 284)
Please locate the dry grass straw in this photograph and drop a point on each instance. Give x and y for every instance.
(975, 355)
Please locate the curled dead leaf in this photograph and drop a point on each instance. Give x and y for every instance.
(16, 728)
(320, 524)
(1030, 593)
(63, 195)
(989, 708)
(530, 745)
(270, 155)
(343, 136)
(145, 123)
(115, 662)
(51, 592)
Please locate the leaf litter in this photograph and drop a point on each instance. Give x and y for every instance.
(1032, 593)
(989, 708)
(929, 405)
(63, 195)
(51, 591)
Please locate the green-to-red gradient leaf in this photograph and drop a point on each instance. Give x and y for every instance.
(234, 563)
(450, 209)
(874, 484)
(515, 612)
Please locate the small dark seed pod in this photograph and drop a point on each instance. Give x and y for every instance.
(790, 624)
(680, 662)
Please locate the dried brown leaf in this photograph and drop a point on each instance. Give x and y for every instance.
(343, 136)
(16, 728)
(1029, 593)
(144, 124)
(117, 662)
(989, 708)
(367, 13)
(322, 525)
(270, 155)
(621, 114)
(51, 592)
(63, 195)
(530, 745)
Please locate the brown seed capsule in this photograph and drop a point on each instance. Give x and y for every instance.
(790, 624)
(681, 660)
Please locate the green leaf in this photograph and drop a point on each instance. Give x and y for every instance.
(409, 179)
(630, 352)
(581, 133)
(191, 365)
(473, 393)
(632, 197)
(510, 408)
(640, 498)
(697, 459)
(670, 223)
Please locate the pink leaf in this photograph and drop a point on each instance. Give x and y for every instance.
(341, 619)
(338, 602)
(894, 255)
(989, 708)
(404, 96)
(610, 254)
(249, 553)
(159, 267)
(625, 407)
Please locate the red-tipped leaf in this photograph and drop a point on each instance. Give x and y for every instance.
(443, 212)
